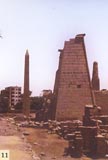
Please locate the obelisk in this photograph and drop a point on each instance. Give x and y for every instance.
(95, 77)
(26, 94)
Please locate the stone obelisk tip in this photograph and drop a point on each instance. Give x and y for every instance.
(27, 53)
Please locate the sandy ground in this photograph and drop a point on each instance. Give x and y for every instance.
(11, 139)
(15, 146)
(37, 145)
(51, 146)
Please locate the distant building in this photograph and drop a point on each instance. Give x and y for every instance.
(14, 95)
(46, 92)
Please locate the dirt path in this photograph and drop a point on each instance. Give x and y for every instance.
(49, 146)
(11, 139)
(16, 148)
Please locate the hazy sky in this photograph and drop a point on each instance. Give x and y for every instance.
(42, 26)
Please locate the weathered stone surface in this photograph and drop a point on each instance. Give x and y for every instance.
(26, 98)
(72, 84)
(101, 149)
(95, 77)
(89, 133)
(101, 98)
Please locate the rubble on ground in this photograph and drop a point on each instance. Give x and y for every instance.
(87, 137)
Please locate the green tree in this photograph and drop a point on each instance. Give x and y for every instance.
(36, 103)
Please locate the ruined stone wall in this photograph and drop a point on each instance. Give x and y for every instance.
(101, 98)
(72, 84)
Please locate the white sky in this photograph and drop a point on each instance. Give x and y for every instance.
(42, 26)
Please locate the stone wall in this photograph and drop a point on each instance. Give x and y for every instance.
(72, 84)
(101, 98)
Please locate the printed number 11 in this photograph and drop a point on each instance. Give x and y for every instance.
(4, 155)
